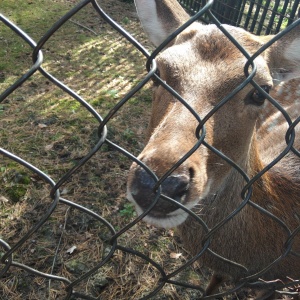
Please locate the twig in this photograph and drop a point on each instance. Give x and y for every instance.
(57, 250)
(87, 28)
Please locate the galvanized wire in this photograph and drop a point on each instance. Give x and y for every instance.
(257, 16)
(7, 259)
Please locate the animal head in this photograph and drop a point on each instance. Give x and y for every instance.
(204, 66)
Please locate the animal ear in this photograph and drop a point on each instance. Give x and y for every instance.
(284, 56)
(160, 18)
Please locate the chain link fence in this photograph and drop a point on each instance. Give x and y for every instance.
(113, 235)
(259, 17)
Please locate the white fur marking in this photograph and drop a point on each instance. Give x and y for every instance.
(152, 25)
(280, 88)
(292, 52)
(174, 218)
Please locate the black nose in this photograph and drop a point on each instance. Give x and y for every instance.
(142, 188)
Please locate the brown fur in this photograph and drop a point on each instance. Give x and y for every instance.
(251, 238)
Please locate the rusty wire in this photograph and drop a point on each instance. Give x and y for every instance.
(7, 259)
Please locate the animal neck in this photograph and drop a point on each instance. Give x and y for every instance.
(230, 189)
(268, 191)
(263, 187)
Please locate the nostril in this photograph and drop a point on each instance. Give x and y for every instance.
(191, 173)
(176, 186)
(142, 182)
(143, 190)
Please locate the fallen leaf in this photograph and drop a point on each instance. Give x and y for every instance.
(64, 191)
(49, 147)
(88, 235)
(71, 250)
(171, 232)
(175, 255)
(3, 199)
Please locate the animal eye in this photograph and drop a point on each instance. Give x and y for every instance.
(258, 98)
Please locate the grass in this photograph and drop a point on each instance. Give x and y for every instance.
(46, 127)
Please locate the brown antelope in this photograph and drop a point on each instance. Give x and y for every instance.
(204, 66)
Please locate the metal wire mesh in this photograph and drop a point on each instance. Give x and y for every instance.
(259, 17)
(7, 260)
